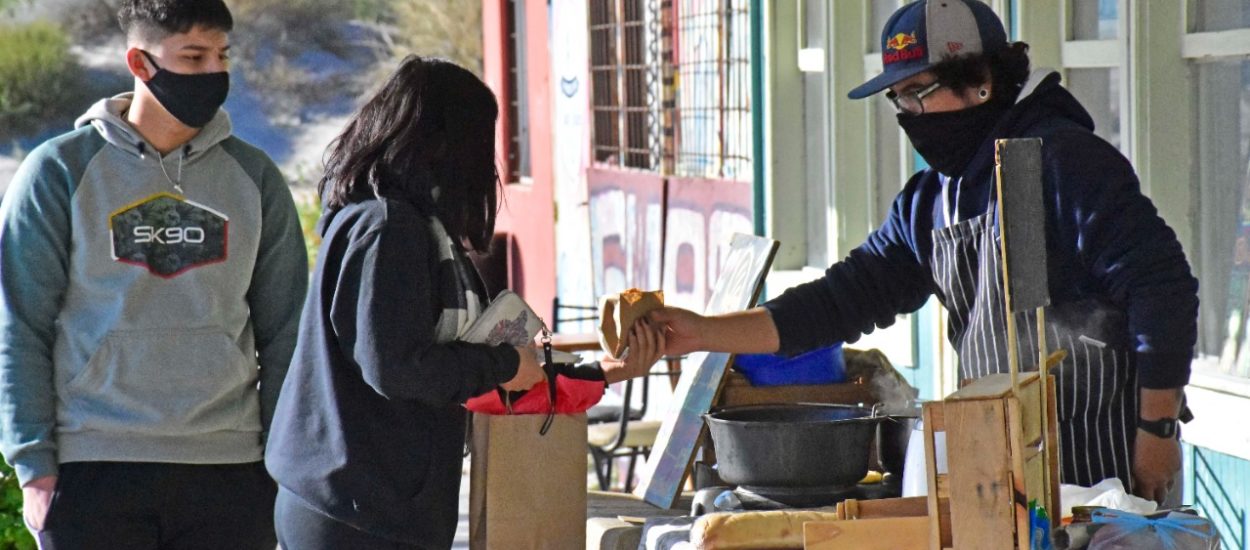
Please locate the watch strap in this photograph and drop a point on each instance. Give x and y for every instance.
(1163, 427)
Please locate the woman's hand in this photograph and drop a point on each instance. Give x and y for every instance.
(645, 342)
(528, 373)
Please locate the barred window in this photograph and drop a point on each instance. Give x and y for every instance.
(624, 66)
(713, 66)
(518, 95)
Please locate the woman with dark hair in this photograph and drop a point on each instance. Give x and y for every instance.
(368, 434)
(1123, 302)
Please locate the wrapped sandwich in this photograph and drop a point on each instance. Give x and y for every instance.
(617, 313)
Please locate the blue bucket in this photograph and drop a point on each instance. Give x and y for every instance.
(820, 366)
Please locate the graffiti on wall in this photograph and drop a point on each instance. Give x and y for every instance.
(701, 219)
(626, 229)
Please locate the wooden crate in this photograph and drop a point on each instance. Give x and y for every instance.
(995, 465)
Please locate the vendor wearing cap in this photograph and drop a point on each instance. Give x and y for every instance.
(1124, 301)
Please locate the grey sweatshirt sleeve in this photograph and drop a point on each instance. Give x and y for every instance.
(34, 264)
(279, 283)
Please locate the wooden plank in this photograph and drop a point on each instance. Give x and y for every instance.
(981, 488)
(1052, 449)
(737, 391)
(1035, 479)
(1022, 224)
(994, 386)
(866, 534)
(1020, 486)
(930, 414)
(737, 289)
(883, 508)
(1030, 396)
(916, 507)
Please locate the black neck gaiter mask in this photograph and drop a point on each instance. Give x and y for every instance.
(193, 99)
(949, 139)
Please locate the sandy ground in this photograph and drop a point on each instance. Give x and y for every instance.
(308, 149)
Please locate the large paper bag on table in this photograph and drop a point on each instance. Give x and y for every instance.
(528, 491)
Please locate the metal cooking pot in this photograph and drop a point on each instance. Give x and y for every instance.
(893, 433)
(801, 445)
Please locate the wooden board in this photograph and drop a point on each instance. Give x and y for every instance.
(906, 507)
(981, 486)
(994, 386)
(742, 279)
(1052, 449)
(737, 391)
(934, 421)
(867, 534)
(1023, 222)
(1019, 478)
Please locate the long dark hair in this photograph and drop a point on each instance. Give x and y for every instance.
(427, 137)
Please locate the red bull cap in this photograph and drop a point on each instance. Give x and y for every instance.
(925, 33)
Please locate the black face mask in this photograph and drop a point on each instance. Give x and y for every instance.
(949, 139)
(192, 98)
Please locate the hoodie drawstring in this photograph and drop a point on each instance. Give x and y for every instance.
(176, 183)
(185, 151)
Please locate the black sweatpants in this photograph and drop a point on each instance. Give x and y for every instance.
(302, 528)
(157, 506)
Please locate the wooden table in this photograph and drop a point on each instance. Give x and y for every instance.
(575, 342)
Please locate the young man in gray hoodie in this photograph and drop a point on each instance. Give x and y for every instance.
(152, 271)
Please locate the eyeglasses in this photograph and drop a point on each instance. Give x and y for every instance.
(912, 103)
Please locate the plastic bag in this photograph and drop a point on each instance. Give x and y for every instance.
(1174, 531)
(1108, 493)
(578, 388)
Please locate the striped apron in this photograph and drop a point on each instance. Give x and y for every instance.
(1096, 385)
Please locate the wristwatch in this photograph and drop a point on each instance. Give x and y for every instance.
(1165, 428)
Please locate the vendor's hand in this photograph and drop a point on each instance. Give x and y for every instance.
(1156, 463)
(528, 373)
(645, 342)
(683, 329)
(36, 498)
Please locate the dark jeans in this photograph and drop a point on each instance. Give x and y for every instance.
(150, 506)
(302, 528)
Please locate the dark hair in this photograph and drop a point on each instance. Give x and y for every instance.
(1007, 68)
(152, 20)
(431, 126)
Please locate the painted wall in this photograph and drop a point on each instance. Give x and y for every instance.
(626, 229)
(570, 73)
(527, 211)
(701, 217)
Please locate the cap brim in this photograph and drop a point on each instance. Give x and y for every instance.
(885, 80)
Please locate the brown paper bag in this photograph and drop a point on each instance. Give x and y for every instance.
(527, 491)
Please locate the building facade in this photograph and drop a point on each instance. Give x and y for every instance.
(664, 126)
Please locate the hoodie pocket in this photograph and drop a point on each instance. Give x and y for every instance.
(166, 382)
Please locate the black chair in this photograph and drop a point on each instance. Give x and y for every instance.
(625, 436)
(617, 431)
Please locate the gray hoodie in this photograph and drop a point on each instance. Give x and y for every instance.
(148, 305)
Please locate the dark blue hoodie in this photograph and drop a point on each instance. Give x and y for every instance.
(370, 425)
(1105, 242)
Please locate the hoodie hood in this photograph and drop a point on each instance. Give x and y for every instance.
(1041, 108)
(108, 116)
(1042, 98)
